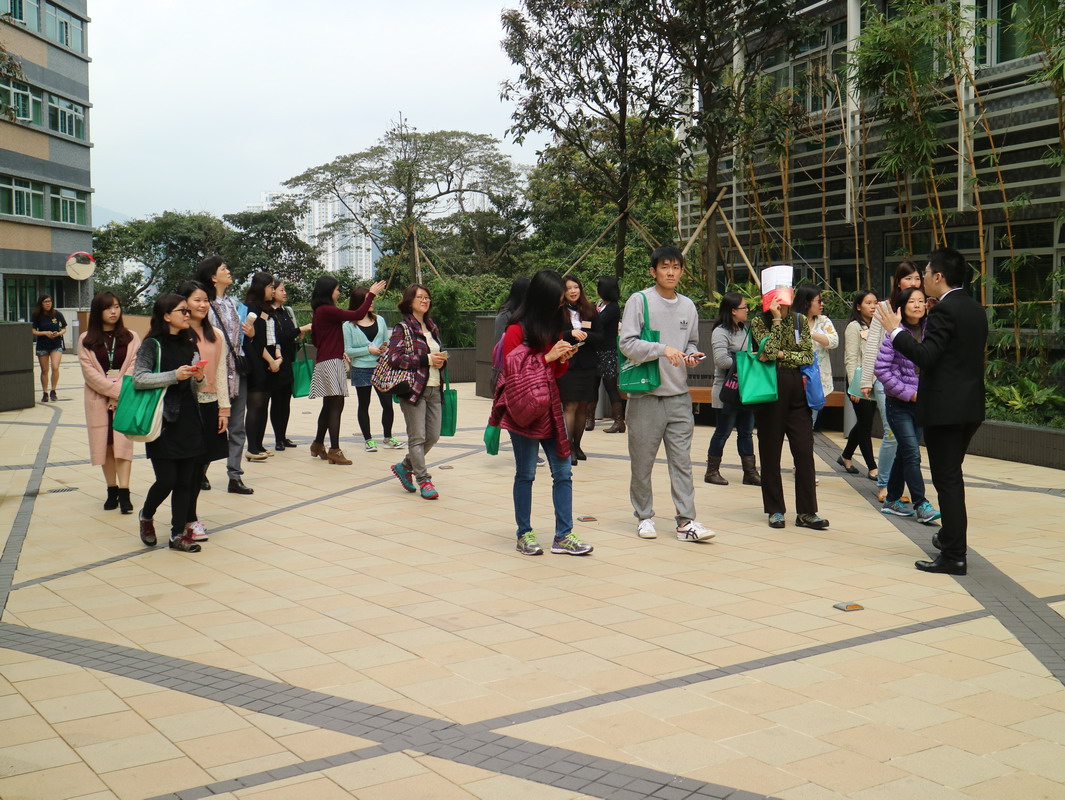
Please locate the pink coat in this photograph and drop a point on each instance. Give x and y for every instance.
(99, 390)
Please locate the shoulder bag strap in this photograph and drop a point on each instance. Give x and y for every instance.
(225, 333)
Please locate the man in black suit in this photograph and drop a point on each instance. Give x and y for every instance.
(950, 393)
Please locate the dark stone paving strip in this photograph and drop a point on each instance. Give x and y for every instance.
(1035, 625)
(21, 524)
(474, 745)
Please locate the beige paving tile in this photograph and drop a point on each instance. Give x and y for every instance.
(376, 771)
(1045, 759)
(33, 756)
(845, 772)
(230, 747)
(318, 788)
(103, 728)
(749, 774)
(951, 767)
(79, 706)
(911, 786)
(779, 746)
(131, 751)
(70, 780)
(149, 780)
(1021, 785)
(979, 737)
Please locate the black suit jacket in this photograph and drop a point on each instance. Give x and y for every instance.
(951, 360)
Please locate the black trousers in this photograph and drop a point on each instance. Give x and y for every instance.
(280, 410)
(789, 416)
(947, 445)
(172, 477)
(861, 434)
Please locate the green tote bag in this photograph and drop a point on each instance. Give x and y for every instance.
(636, 378)
(302, 370)
(449, 407)
(758, 379)
(139, 412)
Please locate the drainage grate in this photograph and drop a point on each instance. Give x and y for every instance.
(64, 489)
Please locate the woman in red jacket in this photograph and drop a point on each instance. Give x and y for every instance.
(539, 324)
(330, 378)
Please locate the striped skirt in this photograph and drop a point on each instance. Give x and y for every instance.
(330, 379)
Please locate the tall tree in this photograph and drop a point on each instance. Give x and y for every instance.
(408, 178)
(595, 77)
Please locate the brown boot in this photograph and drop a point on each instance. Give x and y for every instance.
(336, 456)
(750, 471)
(713, 472)
(318, 451)
(618, 411)
(589, 424)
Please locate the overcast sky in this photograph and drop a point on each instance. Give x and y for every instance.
(205, 104)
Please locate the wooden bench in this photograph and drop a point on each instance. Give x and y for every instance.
(704, 394)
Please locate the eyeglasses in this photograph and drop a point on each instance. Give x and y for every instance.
(184, 311)
(742, 308)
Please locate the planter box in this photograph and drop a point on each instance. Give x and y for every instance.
(18, 388)
(1027, 444)
(461, 364)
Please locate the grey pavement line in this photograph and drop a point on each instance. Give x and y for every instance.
(44, 424)
(20, 526)
(142, 550)
(473, 744)
(1039, 628)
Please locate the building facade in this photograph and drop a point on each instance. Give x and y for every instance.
(828, 208)
(45, 185)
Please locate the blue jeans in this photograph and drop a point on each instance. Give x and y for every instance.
(907, 464)
(888, 445)
(525, 453)
(730, 417)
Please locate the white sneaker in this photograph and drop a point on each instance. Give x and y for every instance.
(198, 531)
(694, 532)
(646, 529)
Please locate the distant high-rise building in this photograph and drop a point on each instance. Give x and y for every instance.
(45, 208)
(345, 246)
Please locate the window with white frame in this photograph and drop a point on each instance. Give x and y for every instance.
(66, 117)
(999, 36)
(69, 206)
(28, 12)
(26, 101)
(21, 198)
(63, 27)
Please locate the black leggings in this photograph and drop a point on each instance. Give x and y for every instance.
(610, 383)
(280, 408)
(173, 477)
(387, 412)
(195, 487)
(329, 419)
(255, 419)
(861, 434)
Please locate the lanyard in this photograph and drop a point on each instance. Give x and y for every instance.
(111, 353)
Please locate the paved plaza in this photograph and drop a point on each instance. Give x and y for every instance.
(339, 638)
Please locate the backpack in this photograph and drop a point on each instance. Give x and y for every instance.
(526, 385)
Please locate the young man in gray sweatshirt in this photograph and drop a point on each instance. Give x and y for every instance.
(665, 413)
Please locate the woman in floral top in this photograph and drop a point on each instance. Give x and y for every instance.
(789, 345)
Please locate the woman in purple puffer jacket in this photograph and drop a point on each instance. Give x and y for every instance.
(900, 378)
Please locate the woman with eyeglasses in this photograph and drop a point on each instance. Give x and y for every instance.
(730, 332)
(169, 359)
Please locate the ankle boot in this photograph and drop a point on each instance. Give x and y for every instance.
(124, 503)
(589, 424)
(618, 412)
(750, 472)
(111, 502)
(713, 472)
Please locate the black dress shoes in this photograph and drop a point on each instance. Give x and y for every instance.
(238, 487)
(279, 446)
(945, 565)
(288, 443)
(935, 542)
(205, 485)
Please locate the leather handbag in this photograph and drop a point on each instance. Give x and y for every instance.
(302, 371)
(449, 406)
(393, 380)
(638, 377)
(139, 412)
(758, 379)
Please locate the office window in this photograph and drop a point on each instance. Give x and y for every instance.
(66, 117)
(26, 101)
(27, 12)
(63, 27)
(21, 198)
(69, 206)
(20, 296)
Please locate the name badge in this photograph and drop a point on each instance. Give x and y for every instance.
(112, 374)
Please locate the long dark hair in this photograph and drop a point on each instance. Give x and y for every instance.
(583, 305)
(856, 305)
(205, 271)
(38, 310)
(608, 288)
(255, 297)
(323, 291)
(805, 293)
(94, 334)
(903, 270)
(356, 299)
(517, 293)
(541, 314)
(185, 290)
(729, 303)
(158, 327)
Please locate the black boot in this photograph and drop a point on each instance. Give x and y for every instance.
(124, 503)
(618, 412)
(111, 503)
(713, 472)
(750, 471)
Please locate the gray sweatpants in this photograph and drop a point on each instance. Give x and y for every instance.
(423, 430)
(237, 437)
(651, 421)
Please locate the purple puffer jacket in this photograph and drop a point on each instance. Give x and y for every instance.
(895, 371)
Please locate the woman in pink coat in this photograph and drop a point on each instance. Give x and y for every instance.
(107, 353)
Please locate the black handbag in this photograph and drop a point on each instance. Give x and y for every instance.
(730, 391)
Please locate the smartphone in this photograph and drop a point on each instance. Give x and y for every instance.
(581, 343)
(200, 364)
(698, 358)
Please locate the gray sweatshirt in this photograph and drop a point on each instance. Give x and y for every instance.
(676, 321)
